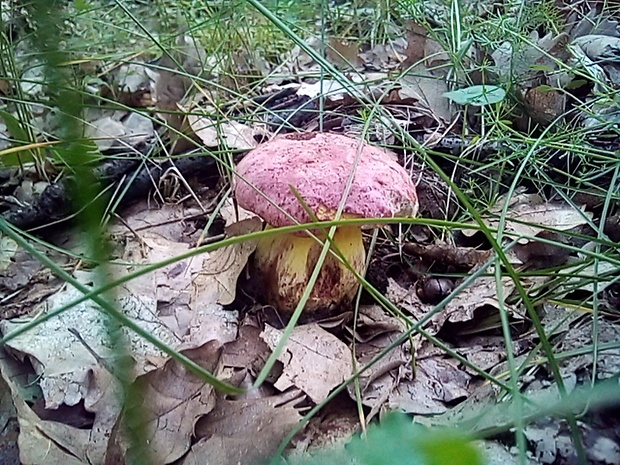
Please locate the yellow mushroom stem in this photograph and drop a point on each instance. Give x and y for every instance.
(285, 263)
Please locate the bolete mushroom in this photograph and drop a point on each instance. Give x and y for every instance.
(318, 166)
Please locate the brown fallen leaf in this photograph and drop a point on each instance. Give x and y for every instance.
(373, 322)
(64, 365)
(217, 280)
(171, 399)
(437, 383)
(244, 431)
(544, 104)
(344, 53)
(248, 351)
(314, 360)
(483, 291)
(379, 381)
(331, 428)
(538, 255)
(41, 442)
(416, 44)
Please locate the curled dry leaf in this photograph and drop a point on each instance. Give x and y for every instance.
(217, 280)
(314, 360)
(461, 308)
(545, 104)
(330, 429)
(188, 59)
(408, 299)
(483, 291)
(448, 255)
(120, 130)
(160, 302)
(134, 85)
(373, 322)
(132, 78)
(344, 53)
(599, 48)
(428, 90)
(190, 292)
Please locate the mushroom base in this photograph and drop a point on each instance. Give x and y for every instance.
(285, 263)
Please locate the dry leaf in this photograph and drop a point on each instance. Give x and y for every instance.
(42, 442)
(232, 213)
(168, 220)
(63, 362)
(530, 214)
(173, 83)
(437, 383)
(232, 134)
(407, 298)
(329, 430)
(544, 104)
(105, 132)
(578, 336)
(428, 90)
(583, 276)
(379, 381)
(343, 53)
(462, 308)
(599, 48)
(248, 351)
(217, 280)
(526, 59)
(332, 90)
(372, 322)
(138, 129)
(416, 43)
(314, 360)
(17, 267)
(171, 400)
(482, 292)
(244, 431)
(132, 78)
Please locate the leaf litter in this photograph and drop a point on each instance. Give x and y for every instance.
(193, 304)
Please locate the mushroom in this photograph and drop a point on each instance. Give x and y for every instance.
(318, 166)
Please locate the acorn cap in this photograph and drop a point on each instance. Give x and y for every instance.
(318, 166)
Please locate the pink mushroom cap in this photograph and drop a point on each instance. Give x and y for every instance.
(318, 166)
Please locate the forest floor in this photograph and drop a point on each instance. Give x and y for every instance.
(134, 325)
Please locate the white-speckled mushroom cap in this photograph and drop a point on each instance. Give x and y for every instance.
(318, 165)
